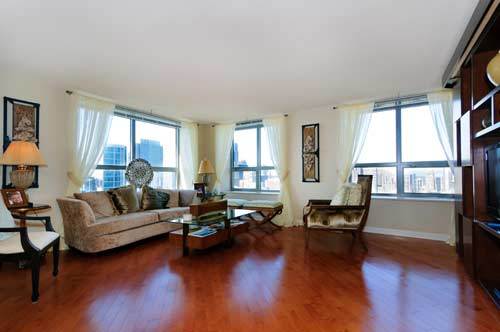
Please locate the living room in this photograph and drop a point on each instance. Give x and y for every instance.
(242, 166)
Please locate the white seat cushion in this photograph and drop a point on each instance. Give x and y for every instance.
(6, 221)
(12, 245)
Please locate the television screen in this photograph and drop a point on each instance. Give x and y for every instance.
(493, 180)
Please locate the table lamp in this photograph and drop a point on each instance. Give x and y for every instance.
(23, 155)
(205, 170)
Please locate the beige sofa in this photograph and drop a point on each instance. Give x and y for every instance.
(85, 232)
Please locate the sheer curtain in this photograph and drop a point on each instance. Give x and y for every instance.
(354, 123)
(276, 132)
(441, 107)
(89, 131)
(188, 154)
(223, 142)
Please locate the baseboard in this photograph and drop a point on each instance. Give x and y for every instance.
(406, 233)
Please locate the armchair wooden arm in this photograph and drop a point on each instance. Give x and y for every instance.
(47, 223)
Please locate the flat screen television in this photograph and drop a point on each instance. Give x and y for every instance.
(493, 180)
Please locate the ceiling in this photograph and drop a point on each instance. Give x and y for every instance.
(234, 60)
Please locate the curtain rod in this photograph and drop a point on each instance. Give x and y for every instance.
(384, 100)
(125, 108)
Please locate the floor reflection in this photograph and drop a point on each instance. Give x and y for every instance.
(255, 281)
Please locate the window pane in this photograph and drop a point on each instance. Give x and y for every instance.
(104, 180)
(384, 178)
(265, 154)
(269, 180)
(117, 150)
(437, 180)
(244, 180)
(164, 180)
(156, 143)
(245, 147)
(380, 143)
(418, 135)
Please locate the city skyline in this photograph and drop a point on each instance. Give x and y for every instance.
(117, 155)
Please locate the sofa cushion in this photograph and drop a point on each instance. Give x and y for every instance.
(263, 204)
(100, 202)
(186, 197)
(114, 224)
(174, 197)
(125, 199)
(236, 202)
(154, 199)
(164, 214)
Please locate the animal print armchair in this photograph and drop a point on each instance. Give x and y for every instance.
(347, 212)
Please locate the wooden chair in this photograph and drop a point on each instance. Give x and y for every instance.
(31, 246)
(355, 216)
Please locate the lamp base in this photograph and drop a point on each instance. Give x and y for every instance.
(22, 178)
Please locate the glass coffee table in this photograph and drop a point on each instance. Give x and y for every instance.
(212, 229)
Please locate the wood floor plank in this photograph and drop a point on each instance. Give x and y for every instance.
(265, 282)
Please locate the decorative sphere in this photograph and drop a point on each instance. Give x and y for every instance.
(493, 70)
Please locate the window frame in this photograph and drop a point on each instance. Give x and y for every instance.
(257, 169)
(128, 114)
(397, 106)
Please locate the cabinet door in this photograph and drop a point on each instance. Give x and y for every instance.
(468, 246)
(465, 154)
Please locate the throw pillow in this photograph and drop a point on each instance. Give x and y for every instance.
(153, 199)
(6, 221)
(174, 200)
(100, 202)
(355, 196)
(341, 196)
(125, 199)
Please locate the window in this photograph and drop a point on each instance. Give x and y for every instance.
(251, 165)
(133, 137)
(403, 153)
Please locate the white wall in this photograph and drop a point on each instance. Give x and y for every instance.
(53, 134)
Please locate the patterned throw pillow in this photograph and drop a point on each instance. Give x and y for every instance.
(348, 194)
(100, 202)
(125, 199)
(341, 196)
(154, 199)
(355, 196)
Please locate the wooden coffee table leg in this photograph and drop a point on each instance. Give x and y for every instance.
(185, 233)
(227, 225)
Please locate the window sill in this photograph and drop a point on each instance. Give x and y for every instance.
(418, 199)
(252, 192)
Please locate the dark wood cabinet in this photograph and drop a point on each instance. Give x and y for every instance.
(477, 128)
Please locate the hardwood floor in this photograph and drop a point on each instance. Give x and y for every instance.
(264, 283)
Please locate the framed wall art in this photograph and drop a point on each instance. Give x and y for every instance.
(21, 121)
(310, 153)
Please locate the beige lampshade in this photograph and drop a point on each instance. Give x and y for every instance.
(206, 167)
(22, 153)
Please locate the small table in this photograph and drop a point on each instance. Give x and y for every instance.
(222, 235)
(24, 211)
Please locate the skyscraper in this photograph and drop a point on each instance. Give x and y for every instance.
(151, 151)
(114, 154)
